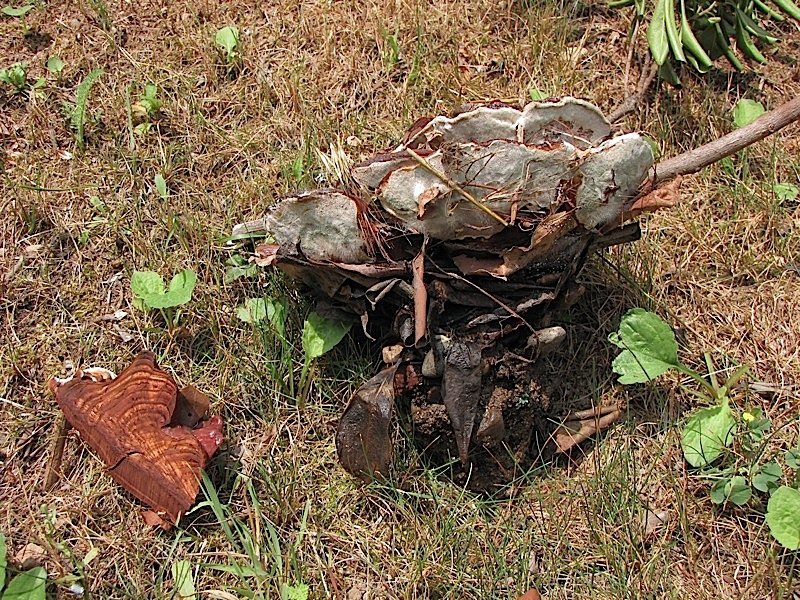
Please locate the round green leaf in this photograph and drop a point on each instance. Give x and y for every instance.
(783, 517)
(648, 344)
(737, 491)
(17, 12)
(146, 283)
(149, 289)
(180, 289)
(321, 334)
(29, 585)
(785, 192)
(792, 458)
(766, 480)
(228, 39)
(719, 492)
(253, 310)
(55, 64)
(707, 433)
(746, 111)
(536, 94)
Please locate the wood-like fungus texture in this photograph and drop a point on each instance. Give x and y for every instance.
(459, 245)
(151, 449)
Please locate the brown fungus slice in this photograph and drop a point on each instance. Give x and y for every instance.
(127, 422)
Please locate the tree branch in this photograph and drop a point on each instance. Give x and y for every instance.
(694, 160)
(631, 103)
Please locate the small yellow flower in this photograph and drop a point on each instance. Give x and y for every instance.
(748, 417)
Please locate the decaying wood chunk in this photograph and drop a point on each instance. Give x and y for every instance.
(131, 422)
(473, 231)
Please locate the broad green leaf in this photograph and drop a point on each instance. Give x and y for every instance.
(255, 310)
(707, 433)
(161, 186)
(657, 33)
(17, 12)
(785, 192)
(146, 283)
(648, 347)
(184, 584)
(238, 267)
(29, 585)
(228, 39)
(180, 289)
(537, 94)
(297, 592)
(766, 480)
(783, 517)
(737, 491)
(3, 562)
(321, 334)
(719, 491)
(746, 111)
(792, 458)
(55, 64)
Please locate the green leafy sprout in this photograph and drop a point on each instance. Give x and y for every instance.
(227, 40)
(16, 76)
(161, 186)
(148, 105)
(55, 65)
(149, 292)
(649, 349)
(11, 11)
(238, 267)
(319, 336)
(698, 32)
(746, 111)
(78, 112)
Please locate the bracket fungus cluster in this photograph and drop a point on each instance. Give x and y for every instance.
(454, 249)
(150, 435)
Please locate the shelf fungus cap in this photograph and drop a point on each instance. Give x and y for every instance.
(151, 449)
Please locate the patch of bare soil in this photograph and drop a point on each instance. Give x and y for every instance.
(510, 433)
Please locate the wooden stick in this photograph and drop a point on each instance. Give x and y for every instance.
(56, 453)
(420, 295)
(694, 160)
(631, 102)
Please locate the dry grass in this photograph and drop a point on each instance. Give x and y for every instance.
(723, 267)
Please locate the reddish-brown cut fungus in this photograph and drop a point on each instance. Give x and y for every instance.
(152, 450)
